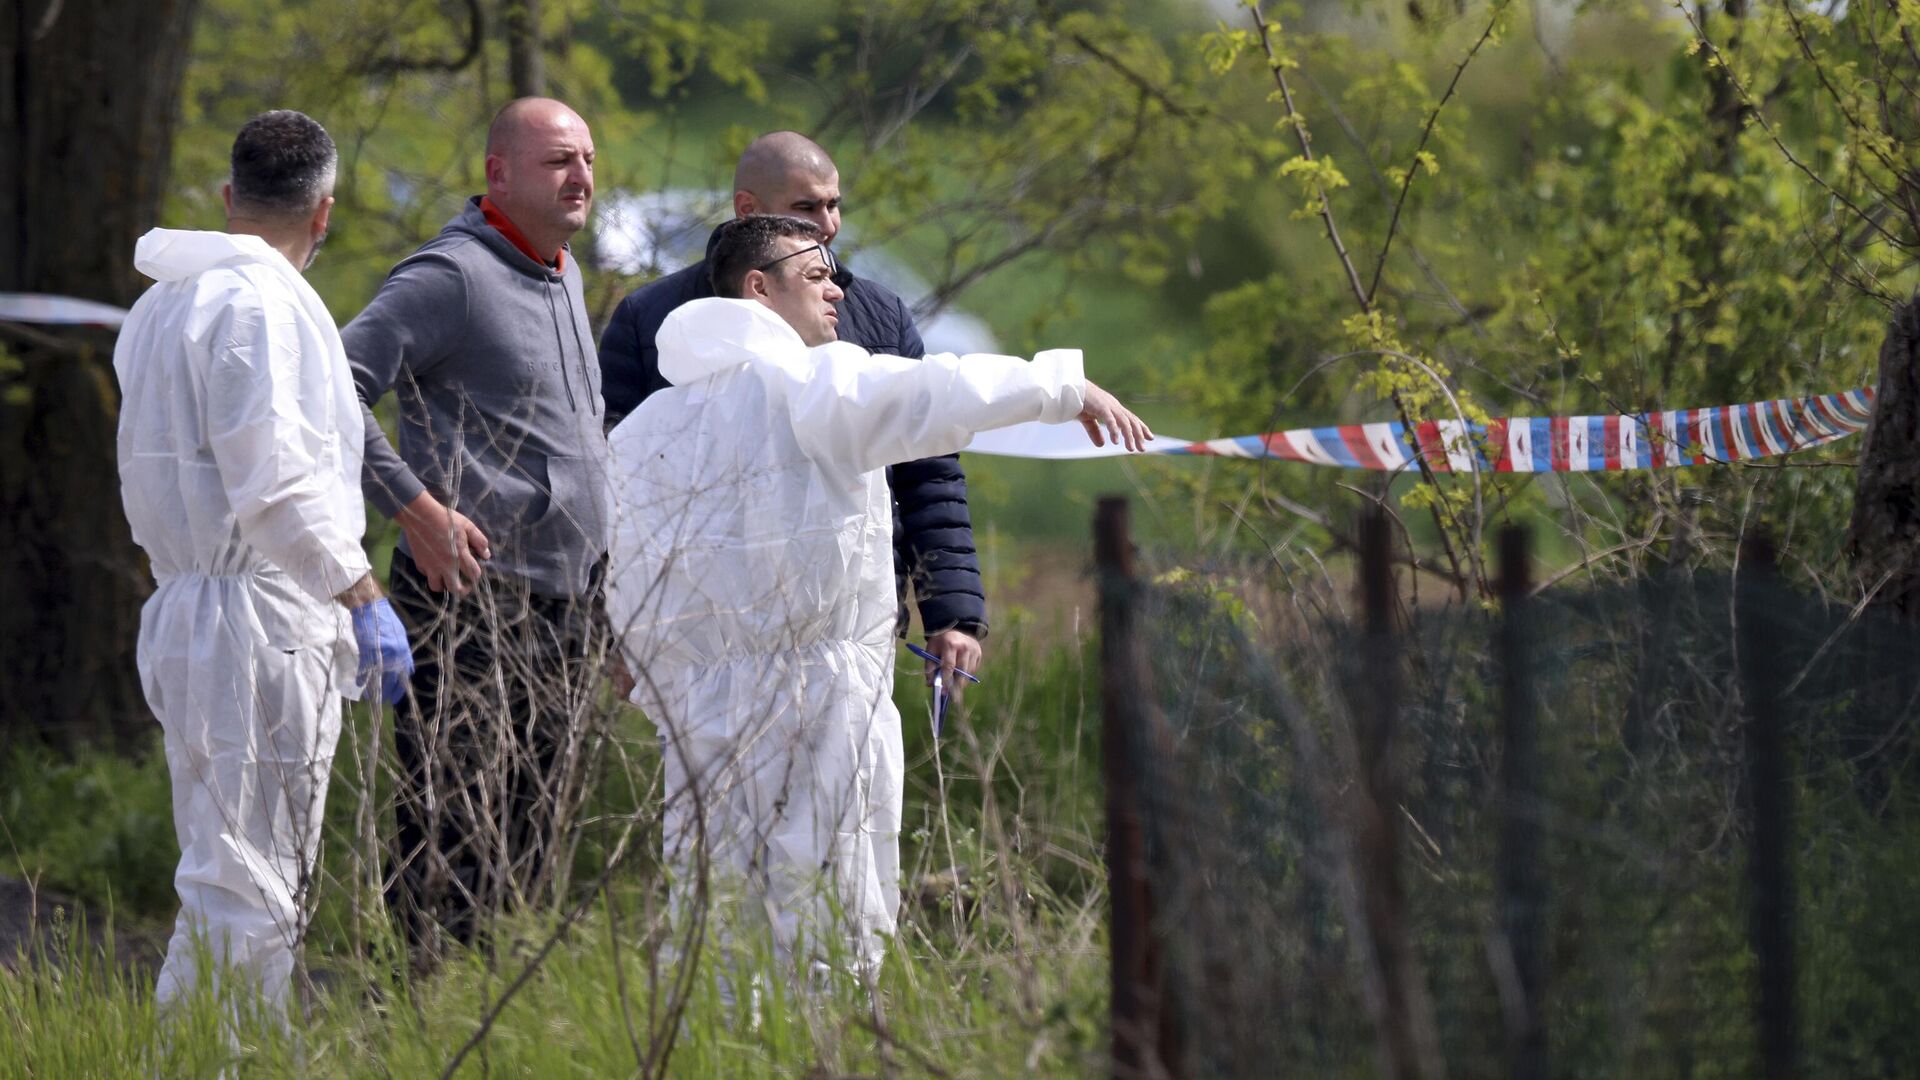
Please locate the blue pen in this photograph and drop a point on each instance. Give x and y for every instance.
(925, 655)
(939, 686)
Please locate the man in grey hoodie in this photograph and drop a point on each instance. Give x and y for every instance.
(500, 491)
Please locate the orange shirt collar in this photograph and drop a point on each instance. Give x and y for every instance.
(518, 239)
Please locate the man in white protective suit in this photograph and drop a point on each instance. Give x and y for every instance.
(751, 580)
(239, 450)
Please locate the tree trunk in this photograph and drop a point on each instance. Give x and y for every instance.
(526, 62)
(1884, 536)
(87, 104)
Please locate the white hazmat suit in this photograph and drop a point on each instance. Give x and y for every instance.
(751, 581)
(239, 449)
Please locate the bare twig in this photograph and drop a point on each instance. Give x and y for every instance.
(1426, 132)
(1606, 553)
(1145, 85)
(1759, 117)
(470, 51)
(1467, 316)
(1278, 66)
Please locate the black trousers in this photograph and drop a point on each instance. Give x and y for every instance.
(491, 748)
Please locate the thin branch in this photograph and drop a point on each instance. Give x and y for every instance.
(1733, 79)
(1083, 214)
(918, 100)
(1799, 32)
(1426, 132)
(1145, 85)
(887, 1038)
(1346, 541)
(1565, 572)
(1278, 67)
(476, 38)
(1467, 316)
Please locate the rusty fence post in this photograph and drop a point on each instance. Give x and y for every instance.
(1403, 1024)
(1139, 1020)
(1758, 595)
(1522, 875)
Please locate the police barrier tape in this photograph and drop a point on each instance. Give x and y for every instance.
(1651, 440)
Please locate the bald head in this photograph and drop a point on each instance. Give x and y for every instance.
(522, 117)
(540, 170)
(784, 172)
(771, 161)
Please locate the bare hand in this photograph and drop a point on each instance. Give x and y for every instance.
(956, 649)
(446, 546)
(1101, 409)
(623, 681)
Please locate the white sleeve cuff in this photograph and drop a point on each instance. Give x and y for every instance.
(1061, 372)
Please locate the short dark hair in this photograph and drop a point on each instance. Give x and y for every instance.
(283, 164)
(750, 242)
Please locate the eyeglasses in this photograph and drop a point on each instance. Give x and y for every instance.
(826, 256)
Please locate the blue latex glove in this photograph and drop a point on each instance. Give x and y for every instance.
(383, 649)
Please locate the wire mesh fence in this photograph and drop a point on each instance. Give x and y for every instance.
(1660, 828)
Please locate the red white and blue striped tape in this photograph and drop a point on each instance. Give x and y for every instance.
(1520, 444)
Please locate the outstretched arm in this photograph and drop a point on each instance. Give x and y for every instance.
(865, 412)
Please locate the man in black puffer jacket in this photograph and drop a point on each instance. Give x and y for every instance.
(787, 173)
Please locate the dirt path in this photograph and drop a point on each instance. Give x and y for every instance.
(40, 921)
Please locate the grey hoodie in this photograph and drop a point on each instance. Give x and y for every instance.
(493, 360)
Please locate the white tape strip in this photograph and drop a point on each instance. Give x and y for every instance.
(58, 310)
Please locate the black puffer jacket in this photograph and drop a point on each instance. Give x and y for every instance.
(932, 529)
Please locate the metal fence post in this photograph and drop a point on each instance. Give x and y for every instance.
(1770, 799)
(1523, 883)
(1408, 1043)
(1141, 1028)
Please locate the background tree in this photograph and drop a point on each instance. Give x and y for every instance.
(88, 101)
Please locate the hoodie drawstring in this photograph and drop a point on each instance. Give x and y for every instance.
(586, 376)
(559, 345)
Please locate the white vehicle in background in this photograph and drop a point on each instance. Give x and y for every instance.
(658, 232)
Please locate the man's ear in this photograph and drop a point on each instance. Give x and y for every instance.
(754, 285)
(745, 205)
(496, 172)
(226, 196)
(321, 216)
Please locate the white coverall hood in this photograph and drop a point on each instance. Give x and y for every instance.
(724, 334)
(176, 254)
(751, 582)
(239, 452)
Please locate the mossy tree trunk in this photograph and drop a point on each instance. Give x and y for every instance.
(1884, 536)
(88, 99)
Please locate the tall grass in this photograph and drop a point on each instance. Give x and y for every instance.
(998, 969)
(985, 1008)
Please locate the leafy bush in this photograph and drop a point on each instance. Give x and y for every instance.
(99, 826)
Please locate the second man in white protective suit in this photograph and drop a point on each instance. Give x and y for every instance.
(239, 452)
(751, 580)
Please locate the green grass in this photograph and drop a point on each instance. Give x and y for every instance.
(1004, 976)
(99, 826)
(590, 1012)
